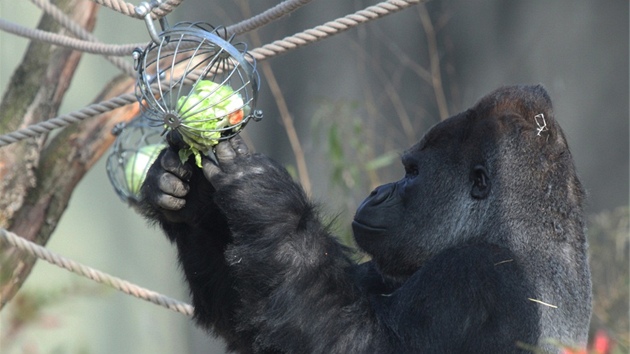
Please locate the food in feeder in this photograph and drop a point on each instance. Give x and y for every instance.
(208, 110)
(138, 165)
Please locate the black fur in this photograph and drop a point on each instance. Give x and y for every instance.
(480, 248)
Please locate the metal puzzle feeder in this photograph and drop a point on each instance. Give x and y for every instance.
(193, 81)
(136, 147)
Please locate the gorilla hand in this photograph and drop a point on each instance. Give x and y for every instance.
(233, 159)
(173, 191)
(172, 182)
(253, 190)
(167, 185)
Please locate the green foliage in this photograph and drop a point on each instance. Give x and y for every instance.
(353, 160)
(384, 160)
(353, 155)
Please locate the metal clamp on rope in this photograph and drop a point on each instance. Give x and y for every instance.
(144, 10)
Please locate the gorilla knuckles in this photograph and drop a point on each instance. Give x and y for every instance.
(167, 194)
(480, 246)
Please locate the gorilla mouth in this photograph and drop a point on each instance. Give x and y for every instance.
(365, 229)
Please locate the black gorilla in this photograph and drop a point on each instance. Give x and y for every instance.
(479, 248)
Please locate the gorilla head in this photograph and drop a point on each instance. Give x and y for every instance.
(484, 174)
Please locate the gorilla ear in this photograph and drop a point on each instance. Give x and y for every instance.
(481, 182)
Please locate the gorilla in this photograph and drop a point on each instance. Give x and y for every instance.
(479, 248)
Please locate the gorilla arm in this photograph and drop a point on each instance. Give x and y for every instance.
(294, 278)
(179, 198)
(301, 293)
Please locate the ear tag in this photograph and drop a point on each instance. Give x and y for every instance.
(541, 123)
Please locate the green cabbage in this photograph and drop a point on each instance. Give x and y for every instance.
(138, 165)
(205, 111)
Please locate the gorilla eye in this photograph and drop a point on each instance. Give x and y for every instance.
(481, 182)
(411, 171)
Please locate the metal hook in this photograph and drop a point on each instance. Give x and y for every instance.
(144, 10)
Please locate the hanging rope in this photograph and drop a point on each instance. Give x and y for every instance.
(265, 52)
(282, 9)
(297, 40)
(91, 273)
(270, 15)
(331, 28)
(67, 119)
(89, 43)
(80, 32)
(125, 8)
(69, 42)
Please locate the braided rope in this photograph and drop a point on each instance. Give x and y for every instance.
(93, 274)
(282, 9)
(67, 119)
(129, 9)
(269, 50)
(69, 42)
(91, 45)
(80, 32)
(331, 28)
(265, 52)
(270, 15)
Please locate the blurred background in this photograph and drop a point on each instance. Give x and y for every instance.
(357, 100)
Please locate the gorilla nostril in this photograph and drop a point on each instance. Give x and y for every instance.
(381, 193)
(380, 197)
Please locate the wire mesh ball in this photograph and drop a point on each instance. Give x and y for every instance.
(137, 146)
(197, 83)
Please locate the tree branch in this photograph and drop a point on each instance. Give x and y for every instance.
(38, 178)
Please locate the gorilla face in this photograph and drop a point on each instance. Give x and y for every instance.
(440, 201)
(478, 174)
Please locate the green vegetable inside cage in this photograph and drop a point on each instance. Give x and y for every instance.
(207, 111)
(138, 165)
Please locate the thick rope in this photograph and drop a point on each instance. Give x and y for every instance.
(269, 50)
(91, 273)
(278, 47)
(81, 33)
(129, 9)
(91, 45)
(331, 28)
(282, 9)
(69, 42)
(67, 119)
(270, 15)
